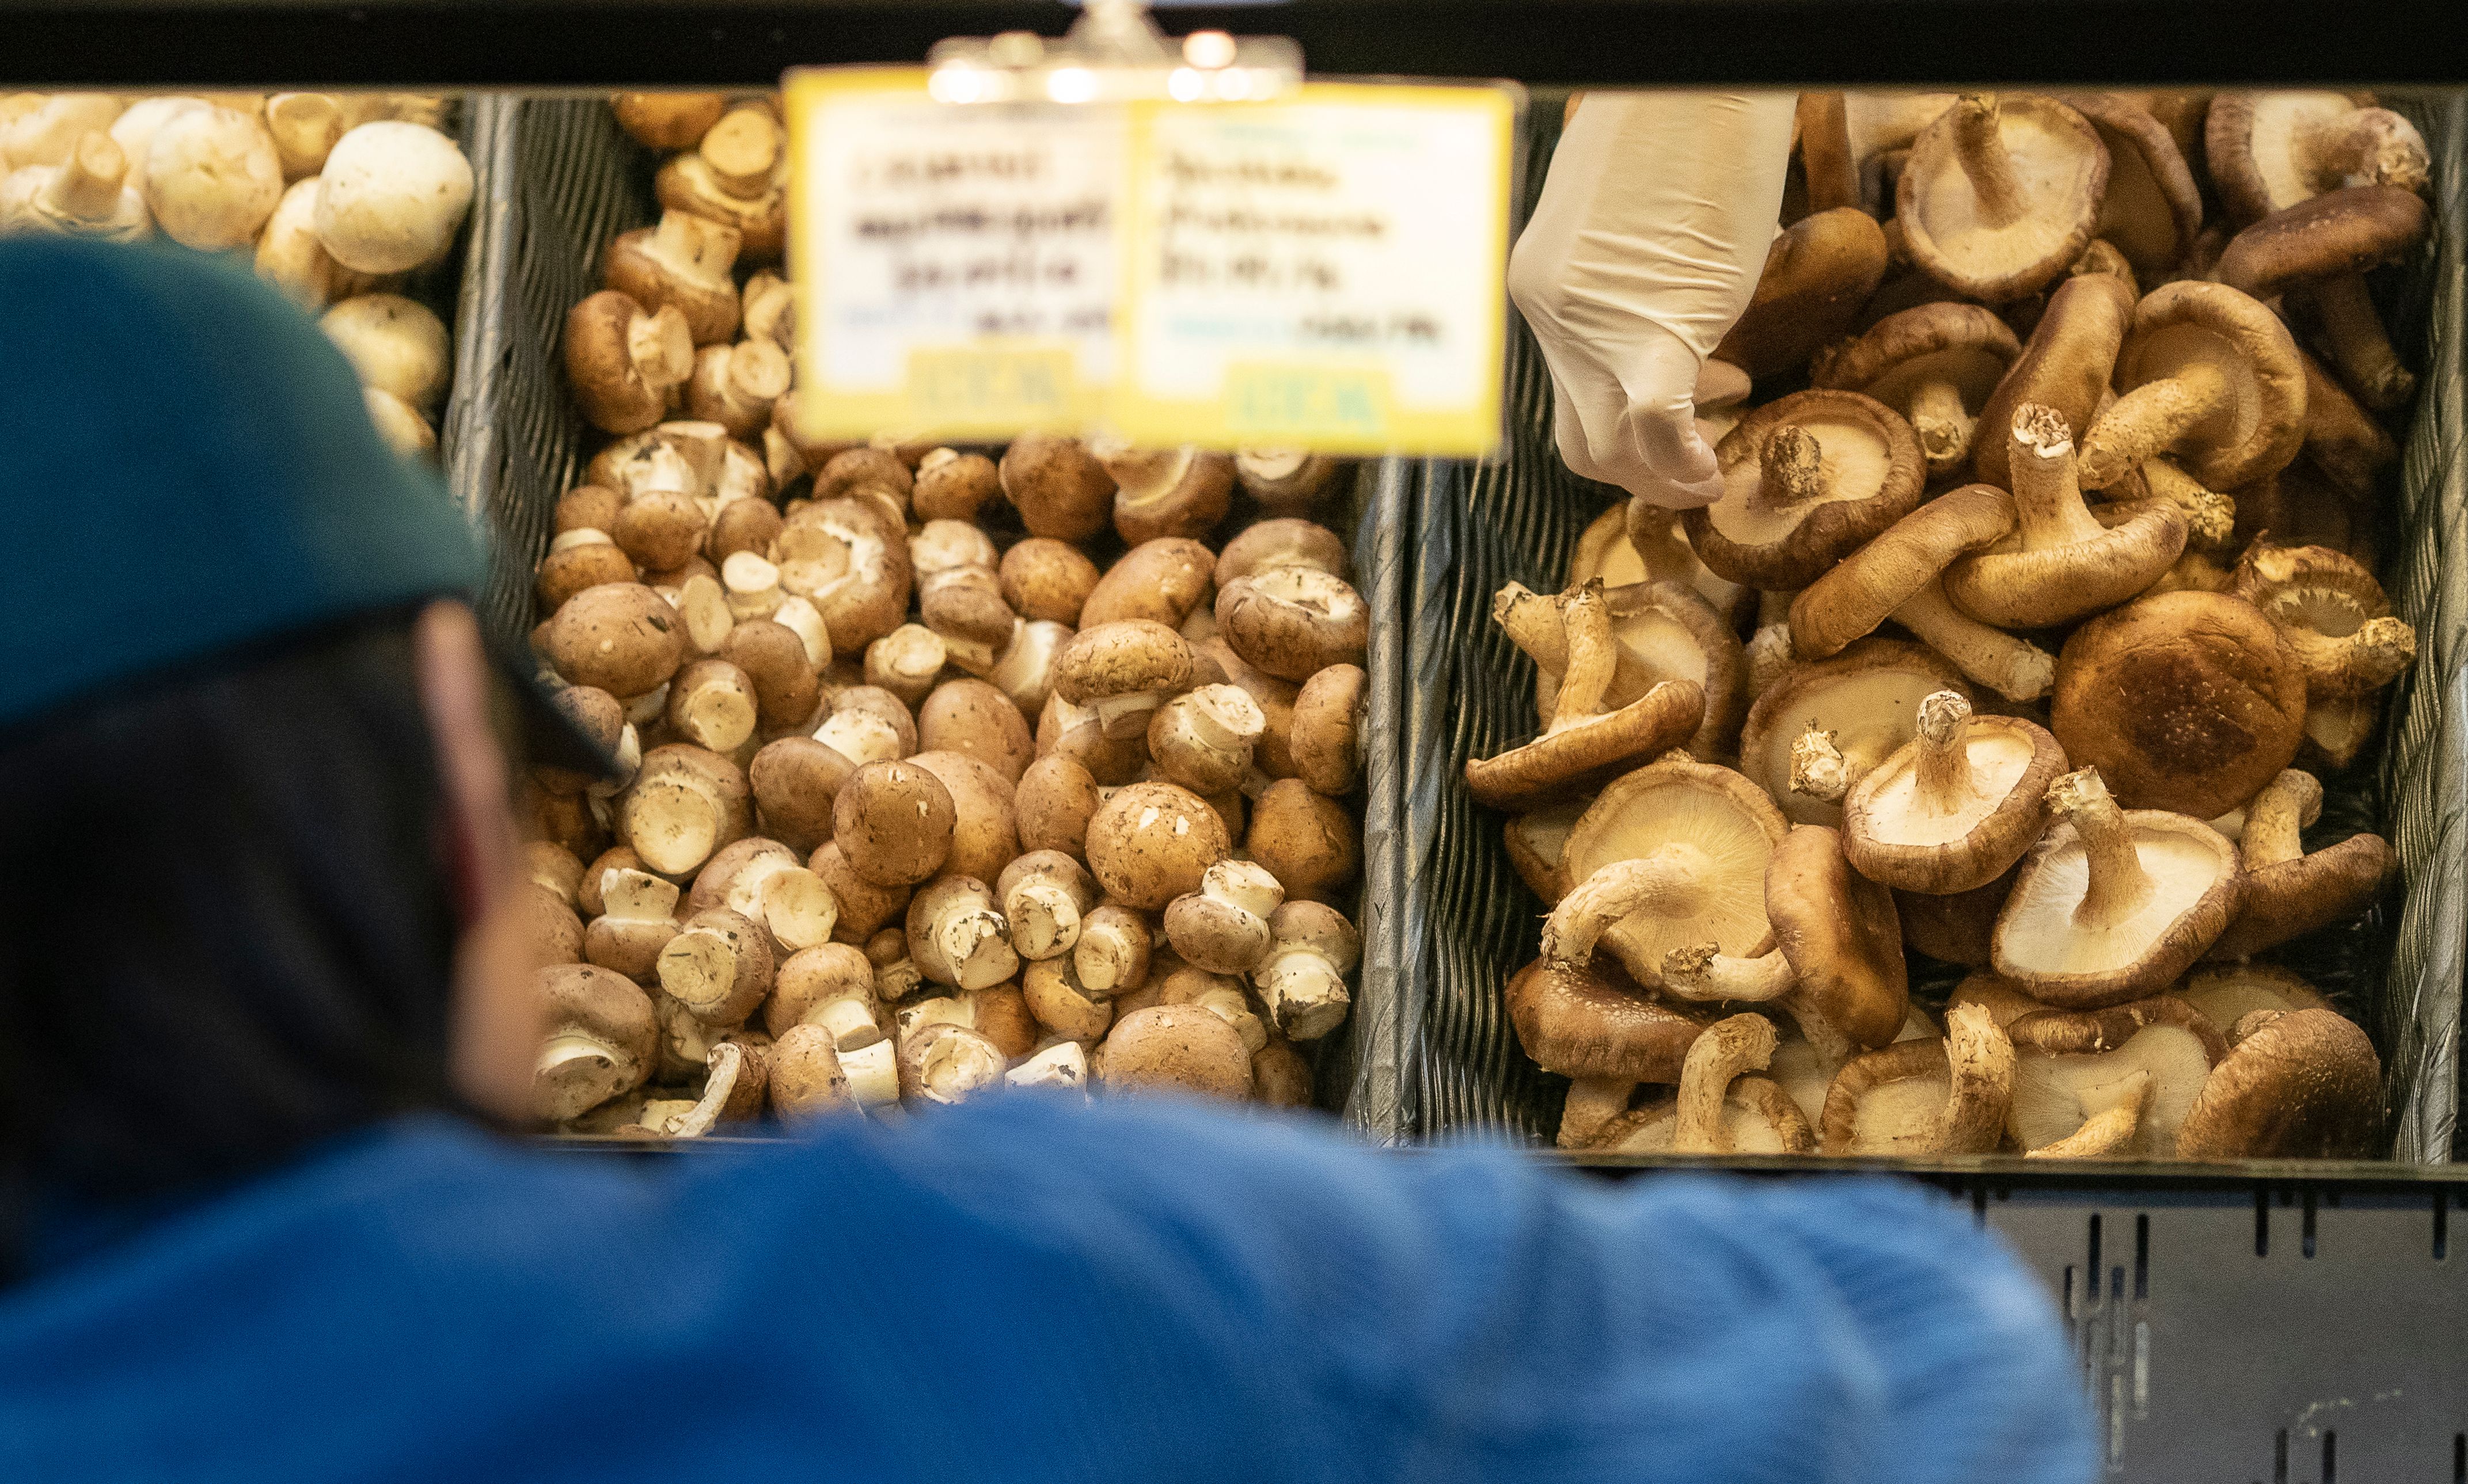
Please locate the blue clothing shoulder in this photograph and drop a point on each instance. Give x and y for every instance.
(1021, 1290)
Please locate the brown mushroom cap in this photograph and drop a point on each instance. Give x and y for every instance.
(2073, 1065)
(2060, 563)
(2207, 376)
(2304, 1085)
(1839, 934)
(2114, 903)
(1583, 746)
(2189, 701)
(2066, 365)
(1708, 834)
(602, 1040)
(1954, 928)
(2288, 892)
(2001, 195)
(1955, 807)
(1933, 363)
(2338, 232)
(681, 264)
(1867, 697)
(1818, 273)
(1805, 480)
(1294, 621)
(1666, 631)
(1150, 842)
(1177, 1048)
(894, 822)
(1057, 486)
(620, 637)
(1585, 1022)
(1326, 738)
(1855, 595)
(1161, 580)
(2151, 208)
(1947, 1095)
(2270, 151)
(2228, 993)
(1131, 657)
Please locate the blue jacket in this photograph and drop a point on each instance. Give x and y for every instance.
(1022, 1292)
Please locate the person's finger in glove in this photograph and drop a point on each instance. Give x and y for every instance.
(1652, 230)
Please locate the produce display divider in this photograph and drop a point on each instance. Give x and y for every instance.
(1471, 920)
(557, 181)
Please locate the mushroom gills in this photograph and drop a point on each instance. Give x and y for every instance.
(2049, 933)
(1745, 1123)
(2055, 1095)
(1851, 463)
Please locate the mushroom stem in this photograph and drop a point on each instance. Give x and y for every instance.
(1643, 883)
(1706, 971)
(1981, 1060)
(1593, 653)
(2275, 820)
(1729, 1048)
(2015, 669)
(86, 185)
(2105, 1132)
(1817, 770)
(661, 348)
(1531, 622)
(1943, 424)
(2210, 516)
(2371, 656)
(1979, 148)
(2048, 496)
(2117, 886)
(2148, 420)
(1941, 779)
(1792, 467)
(2357, 344)
(1768, 654)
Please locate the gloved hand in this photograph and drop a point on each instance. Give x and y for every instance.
(1647, 243)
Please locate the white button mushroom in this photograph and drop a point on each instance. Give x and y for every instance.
(392, 195)
(211, 177)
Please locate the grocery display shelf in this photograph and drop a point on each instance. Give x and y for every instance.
(601, 43)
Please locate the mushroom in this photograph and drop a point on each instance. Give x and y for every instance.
(1122, 671)
(2060, 563)
(1285, 481)
(850, 558)
(390, 196)
(2268, 151)
(1061, 1066)
(955, 486)
(894, 822)
(555, 935)
(2189, 701)
(47, 129)
(735, 176)
(1180, 491)
(1053, 804)
(211, 177)
(304, 127)
(668, 121)
(1937, 1096)
(621, 637)
(1898, 576)
(2332, 614)
(735, 1078)
(1665, 630)
(959, 594)
(775, 659)
(1537, 841)
(1305, 838)
(1756, 1116)
(831, 986)
(1223, 926)
(943, 1063)
(399, 423)
(865, 907)
(1175, 1049)
(983, 838)
(2343, 444)
(1692, 842)
(1579, 1022)
(767, 883)
(1956, 807)
(623, 361)
(290, 256)
(2227, 994)
(1163, 581)
(1283, 543)
(2209, 376)
(1584, 746)
(1954, 928)
(602, 1041)
(1819, 272)
(2001, 195)
(735, 385)
(1727, 1050)
(2297, 1085)
(1326, 736)
(907, 662)
(2108, 1082)
(2066, 365)
(1301, 975)
(2151, 208)
(1805, 480)
(1203, 738)
(1151, 842)
(1933, 363)
(682, 264)
(973, 719)
(1294, 621)
(1836, 968)
(2117, 903)
(719, 967)
(1865, 701)
(1057, 486)
(1044, 895)
(1050, 581)
(637, 919)
(83, 196)
(553, 867)
(2316, 254)
(2287, 892)
(957, 935)
(809, 1079)
(1113, 954)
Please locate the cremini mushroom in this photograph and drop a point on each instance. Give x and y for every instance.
(719, 967)
(1294, 621)
(2115, 905)
(736, 175)
(1836, 968)
(1954, 808)
(391, 195)
(1326, 739)
(2313, 255)
(1057, 486)
(2288, 892)
(602, 1041)
(983, 838)
(1933, 363)
(1307, 839)
(735, 385)
(2060, 563)
(1151, 842)
(1584, 746)
(849, 557)
(1285, 481)
(1805, 480)
(44, 128)
(972, 717)
(1665, 630)
(1864, 703)
(894, 821)
(682, 264)
(1301, 975)
(2189, 701)
(1122, 671)
(767, 883)
(1046, 578)
(637, 919)
(1044, 895)
(1180, 491)
(2330, 611)
(944, 1062)
(2295, 1084)
(957, 935)
(810, 1078)
(831, 986)
(2209, 376)
(2116, 1082)
(624, 362)
(1690, 843)
(1053, 804)
(1175, 1049)
(1203, 738)
(1114, 949)
(1932, 1096)
(668, 121)
(621, 637)
(1062, 1067)
(2001, 195)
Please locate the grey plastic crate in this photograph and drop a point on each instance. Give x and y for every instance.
(1468, 920)
(558, 180)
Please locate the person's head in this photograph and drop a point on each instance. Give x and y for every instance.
(255, 843)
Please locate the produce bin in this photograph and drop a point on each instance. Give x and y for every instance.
(558, 180)
(1467, 919)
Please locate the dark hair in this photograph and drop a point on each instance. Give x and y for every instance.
(228, 933)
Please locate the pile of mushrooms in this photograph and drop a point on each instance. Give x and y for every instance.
(2039, 593)
(341, 196)
(951, 769)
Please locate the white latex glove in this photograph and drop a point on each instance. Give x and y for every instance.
(1649, 238)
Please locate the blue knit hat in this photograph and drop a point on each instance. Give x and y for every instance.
(186, 467)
